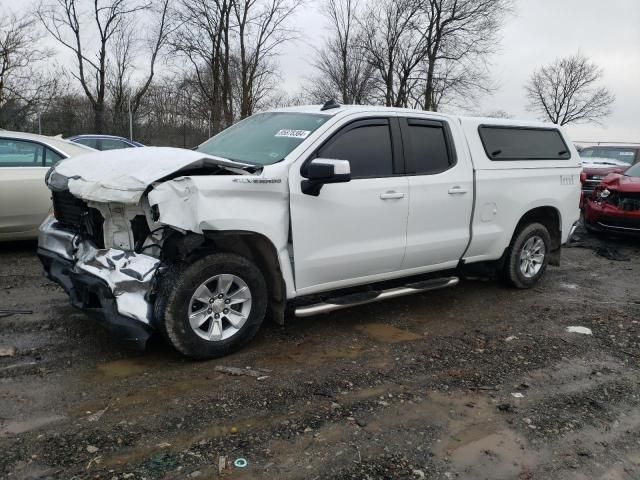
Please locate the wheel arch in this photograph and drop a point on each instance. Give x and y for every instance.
(253, 246)
(551, 218)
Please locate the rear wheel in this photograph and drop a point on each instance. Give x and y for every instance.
(213, 306)
(528, 256)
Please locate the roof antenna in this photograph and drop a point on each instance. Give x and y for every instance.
(329, 105)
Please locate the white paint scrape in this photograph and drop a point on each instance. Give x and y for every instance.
(582, 330)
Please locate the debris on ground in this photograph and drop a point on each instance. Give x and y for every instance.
(611, 253)
(222, 464)
(581, 330)
(240, 462)
(94, 417)
(92, 449)
(17, 365)
(510, 338)
(6, 313)
(7, 351)
(517, 395)
(259, 373)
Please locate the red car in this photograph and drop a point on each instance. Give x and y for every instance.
(614, 206)
(601, 160)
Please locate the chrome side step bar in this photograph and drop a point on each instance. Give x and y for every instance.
(370, 297)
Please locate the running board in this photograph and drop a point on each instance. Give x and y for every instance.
(339, 303)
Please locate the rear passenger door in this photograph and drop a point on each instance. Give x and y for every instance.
(440, 195)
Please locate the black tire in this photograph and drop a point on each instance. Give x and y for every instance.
(174, 296)
(512, 272)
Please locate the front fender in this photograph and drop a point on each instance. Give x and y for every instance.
(222, 203)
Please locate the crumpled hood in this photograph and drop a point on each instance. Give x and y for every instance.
(123, 175)
(621, 183)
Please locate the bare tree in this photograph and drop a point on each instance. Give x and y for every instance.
(203, 39)
(262, 27)
(430, 52)
(394, 47)
(343, 71)
(24, 87)
(125, 92)
(232, 46)
(461, 35)
(567, 91)
(103, 24)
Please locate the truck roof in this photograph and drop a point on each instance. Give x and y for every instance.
(350, 109)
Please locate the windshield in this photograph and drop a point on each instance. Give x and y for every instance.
(264, 138)
(633, 171)
(626, 155)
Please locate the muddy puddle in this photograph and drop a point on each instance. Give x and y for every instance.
(142, 365)
(21, 426)
(383, 332)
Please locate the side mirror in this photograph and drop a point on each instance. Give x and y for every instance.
(321, 171)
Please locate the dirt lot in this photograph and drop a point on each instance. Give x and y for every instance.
(418, 388)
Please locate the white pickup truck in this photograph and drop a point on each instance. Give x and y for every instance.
(304, 210)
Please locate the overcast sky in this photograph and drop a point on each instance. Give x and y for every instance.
(606, 31)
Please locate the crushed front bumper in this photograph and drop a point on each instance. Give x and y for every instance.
(607, 218)
(111, 285)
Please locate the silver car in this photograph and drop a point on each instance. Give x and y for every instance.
(25, 200)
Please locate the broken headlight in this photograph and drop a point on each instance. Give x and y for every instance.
(603, 194)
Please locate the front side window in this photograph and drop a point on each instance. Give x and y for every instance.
(516, 143)
(89, 142)
(624, 155)
(366, 146)
(264, 138)
(20, 153)
(426, 147)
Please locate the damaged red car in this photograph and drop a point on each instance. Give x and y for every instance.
(599, 161)
(614, 206)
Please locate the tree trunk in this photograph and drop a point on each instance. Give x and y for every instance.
(98, 119)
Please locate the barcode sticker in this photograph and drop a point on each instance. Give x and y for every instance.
(293, 133)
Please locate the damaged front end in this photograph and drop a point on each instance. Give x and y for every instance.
(104, 245)
(113, 284)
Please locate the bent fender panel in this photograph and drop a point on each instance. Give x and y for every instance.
(241, 203)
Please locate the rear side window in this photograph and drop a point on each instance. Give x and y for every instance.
(109, 144)
(516, 143)
(19, 153)
(425, 144)
(51, 157)
(367, 147)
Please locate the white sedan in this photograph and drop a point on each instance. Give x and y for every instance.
(25, 200)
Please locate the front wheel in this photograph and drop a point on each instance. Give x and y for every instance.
(211, 307)
(528, 256)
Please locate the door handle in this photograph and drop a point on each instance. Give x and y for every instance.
(457, 191)
(391, 195)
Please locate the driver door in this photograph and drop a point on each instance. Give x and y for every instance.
(352, 231)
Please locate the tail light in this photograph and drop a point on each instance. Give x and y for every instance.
(583, 177)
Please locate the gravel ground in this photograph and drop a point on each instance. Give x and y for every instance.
(475, 382)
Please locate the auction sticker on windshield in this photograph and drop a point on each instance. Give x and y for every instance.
(293, 133)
